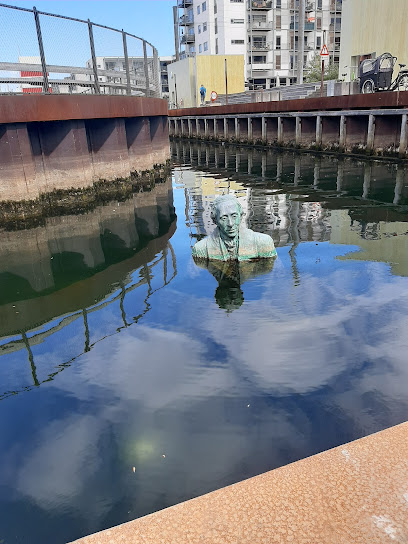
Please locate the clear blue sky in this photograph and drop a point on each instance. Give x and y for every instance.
(149, 19)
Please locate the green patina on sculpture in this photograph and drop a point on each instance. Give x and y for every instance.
(231, 240)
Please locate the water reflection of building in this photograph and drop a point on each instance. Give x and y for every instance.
(292, 196)
(77, 267)
(286, 219)
(381, 241)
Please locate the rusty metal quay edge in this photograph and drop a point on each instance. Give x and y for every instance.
(348, 102)
(356, 493)
(37, 108)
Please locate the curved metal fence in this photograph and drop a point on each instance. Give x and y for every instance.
(52, 54)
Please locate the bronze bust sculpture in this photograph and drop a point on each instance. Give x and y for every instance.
(231, 240)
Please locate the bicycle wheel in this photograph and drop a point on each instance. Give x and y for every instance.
(368, 86)
(403, 83)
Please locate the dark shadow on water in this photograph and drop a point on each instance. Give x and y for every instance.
(230, 275)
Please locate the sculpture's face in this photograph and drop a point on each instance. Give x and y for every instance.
(228, 219)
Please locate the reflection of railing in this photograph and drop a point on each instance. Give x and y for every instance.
(28, 341)
(132, 61)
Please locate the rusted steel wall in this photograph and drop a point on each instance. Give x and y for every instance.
(29, 108)
(350, 102)
(63, 142)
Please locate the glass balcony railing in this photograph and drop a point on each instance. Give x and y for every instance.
(261, 4)
(185, 3)
(261, 25)
(185, 20)
(308, 26)
(259, 46)
(188, 38)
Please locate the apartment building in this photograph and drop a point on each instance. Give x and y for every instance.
(266, 32)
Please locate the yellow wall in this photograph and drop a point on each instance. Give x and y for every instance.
(210, 71)
(369, 26)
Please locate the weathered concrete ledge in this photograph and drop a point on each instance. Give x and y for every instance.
(62, 142)
(358, 124)
(353, 494)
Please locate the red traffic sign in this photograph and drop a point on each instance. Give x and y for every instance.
(214, 96)
(324, 52)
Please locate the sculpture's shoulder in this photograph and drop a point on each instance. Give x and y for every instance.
(200, 249)
(259, 244)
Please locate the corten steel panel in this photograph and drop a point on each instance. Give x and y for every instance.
(25, 109)
(17, 168)
(66, 159)
(357, 101)
(109, 148)
(139, 143)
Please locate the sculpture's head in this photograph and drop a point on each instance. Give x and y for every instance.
(226, 213)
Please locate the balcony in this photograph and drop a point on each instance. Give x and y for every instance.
(336, 6)
(336, 28)
(186, 21)
(308, 26)
(185, 3)
(261, 4)
(188, 38)
(259, 47)
(261, 25)
(261, 67)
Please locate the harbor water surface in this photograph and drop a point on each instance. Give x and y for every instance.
(132, 379)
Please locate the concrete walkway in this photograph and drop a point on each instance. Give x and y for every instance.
(353, 494)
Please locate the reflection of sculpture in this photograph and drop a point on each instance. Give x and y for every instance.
(231, 240)
(230, 275)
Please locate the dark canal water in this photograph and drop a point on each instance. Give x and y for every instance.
(131, 380)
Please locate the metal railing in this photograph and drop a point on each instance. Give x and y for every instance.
(47, 53)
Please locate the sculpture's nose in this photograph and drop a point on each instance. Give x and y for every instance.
(230, 223)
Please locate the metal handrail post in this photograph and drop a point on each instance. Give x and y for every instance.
(46, 86)
(94, 67)
(125, 52)
(146, 68)
(156, 68)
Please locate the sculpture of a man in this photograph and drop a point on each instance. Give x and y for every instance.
(231, 239)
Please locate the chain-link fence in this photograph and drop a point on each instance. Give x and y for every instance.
(47, 53)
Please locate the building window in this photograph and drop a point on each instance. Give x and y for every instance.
(319, 23)
(237, 42)
(192, 48)
(319, 4)
(278, 42)
(204, 6)
(278, 23)
(199, 29)
(237, 21)
(282, 81)
(204, 27)
(278, 4)
(198, 10)
(215, 7)
(318, 42)
(216, 46)
(215, 26)
(200, 48)
(259, 59)
(278, 62)
(205, 46)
